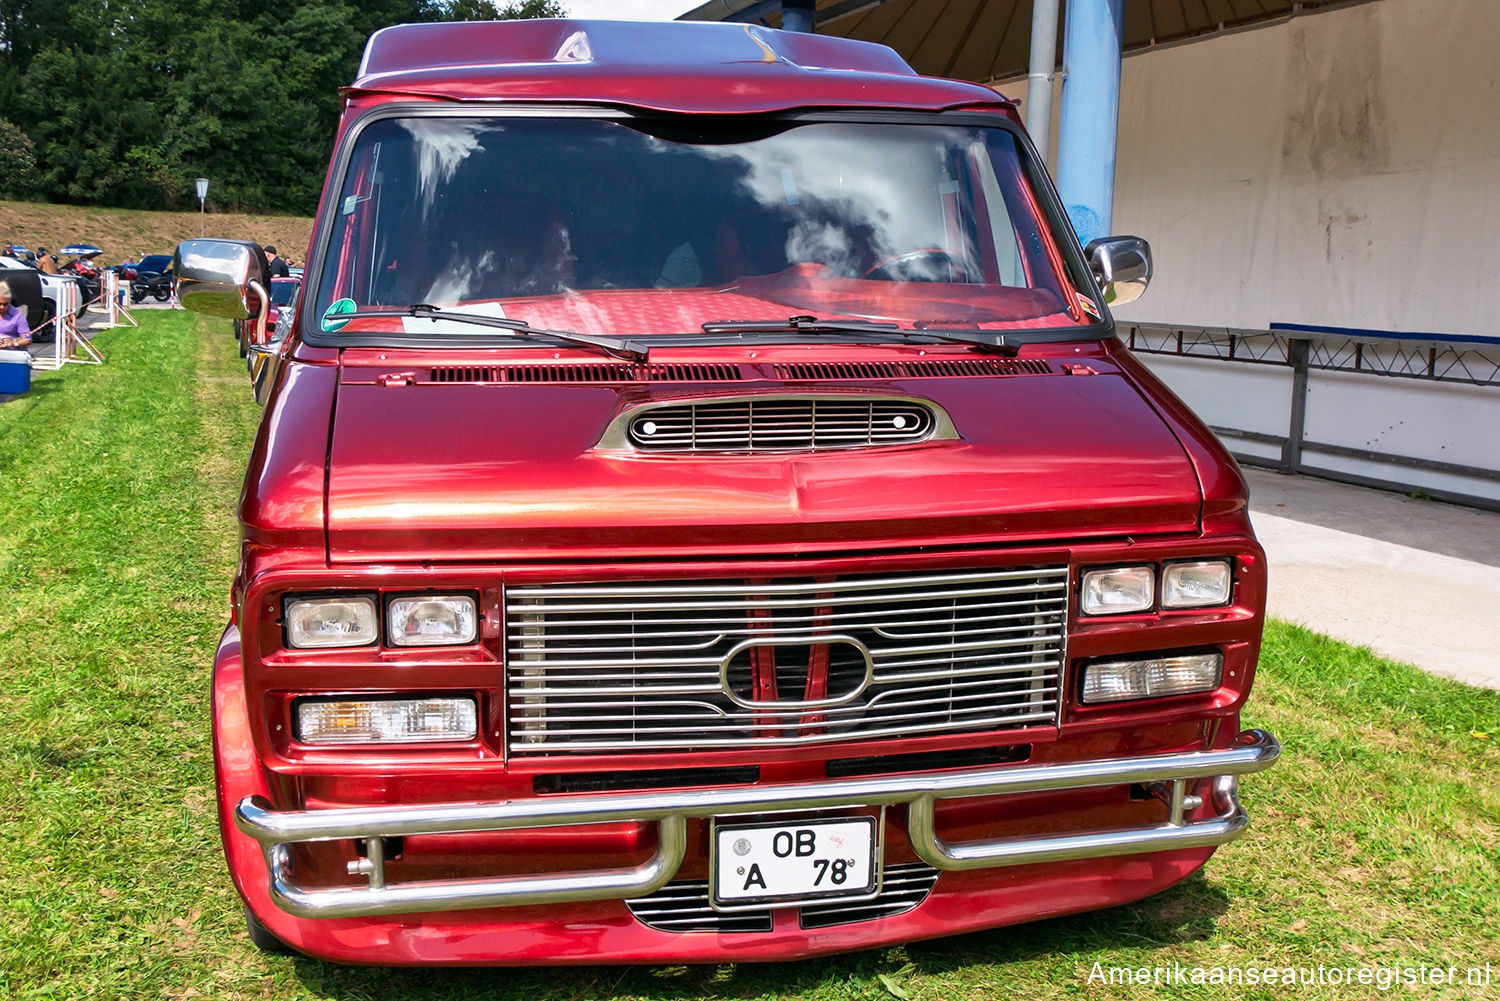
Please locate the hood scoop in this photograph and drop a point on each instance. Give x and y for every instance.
(778, 423)
(956, 368)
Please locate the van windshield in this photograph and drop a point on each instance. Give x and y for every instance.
(632, 226)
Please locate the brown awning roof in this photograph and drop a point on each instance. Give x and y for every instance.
(986, 40)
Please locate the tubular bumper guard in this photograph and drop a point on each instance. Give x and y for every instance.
(1168, 774)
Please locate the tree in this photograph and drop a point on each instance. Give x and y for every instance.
(517, 10)
(124, 102)
(520, 10)
(18, 177)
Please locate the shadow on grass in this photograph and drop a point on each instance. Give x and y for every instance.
(39, 387)
(1183, 913)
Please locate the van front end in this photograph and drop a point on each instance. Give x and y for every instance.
(597, 814)
(702, 513)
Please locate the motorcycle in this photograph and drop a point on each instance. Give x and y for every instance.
(84, 270)
(158, 286)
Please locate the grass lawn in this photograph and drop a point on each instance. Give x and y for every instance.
(1376, 840)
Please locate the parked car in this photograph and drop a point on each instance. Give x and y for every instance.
(282, 290)
(50, 287)
(153, 264)
(703, 513)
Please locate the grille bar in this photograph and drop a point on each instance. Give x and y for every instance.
(729, 625)
(683, 906)
(773, 587)
(756, 598)
(674, 665)
(811, 635)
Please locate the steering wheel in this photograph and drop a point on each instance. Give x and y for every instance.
(926, 265)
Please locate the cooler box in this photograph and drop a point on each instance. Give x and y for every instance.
(15, 371)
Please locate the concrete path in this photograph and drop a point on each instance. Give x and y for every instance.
(1414, 580)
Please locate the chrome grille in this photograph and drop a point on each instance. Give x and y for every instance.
(704, 664)
(780, 424)
(684, 907)
(902, 887)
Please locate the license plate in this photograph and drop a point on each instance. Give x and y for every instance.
(810, 860)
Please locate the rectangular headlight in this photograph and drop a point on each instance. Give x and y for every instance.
(1195, 585)
(1123, 680)
(1118, 590)
(331, 622)
(396, 721)
(431, 620)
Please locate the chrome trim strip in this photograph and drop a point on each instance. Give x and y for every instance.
(789, 705)
(1254, 750)
(843, 583)
(457, 895)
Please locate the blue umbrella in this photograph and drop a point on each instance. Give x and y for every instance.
(81, 250)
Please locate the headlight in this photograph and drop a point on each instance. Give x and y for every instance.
(1119, 590)
(431, 620)
(1195, 585)
(1123, 680)
(330, 622)
(398, 721)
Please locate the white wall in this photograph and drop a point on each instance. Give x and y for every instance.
(1341, 168)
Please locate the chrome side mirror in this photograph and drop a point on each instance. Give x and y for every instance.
(1121, 266)
(222, 278)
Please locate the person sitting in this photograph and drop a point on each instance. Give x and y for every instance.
(45, 261)
(14, 331)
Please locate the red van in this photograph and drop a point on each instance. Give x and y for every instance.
(702, 512)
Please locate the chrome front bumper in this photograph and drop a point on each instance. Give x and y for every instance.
(1253, 751)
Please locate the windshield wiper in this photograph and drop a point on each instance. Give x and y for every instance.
(615, 347)
(998, 343)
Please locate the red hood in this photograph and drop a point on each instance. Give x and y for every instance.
(463, 471)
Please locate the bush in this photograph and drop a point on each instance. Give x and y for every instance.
(18, 176)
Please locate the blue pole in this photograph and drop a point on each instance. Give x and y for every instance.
(797, 15)
(1090, 114)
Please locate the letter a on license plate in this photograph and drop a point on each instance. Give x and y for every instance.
(787, 863)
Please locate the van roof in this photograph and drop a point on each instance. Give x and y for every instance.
(662, 66)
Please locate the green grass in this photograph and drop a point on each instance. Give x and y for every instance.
(1375, 839)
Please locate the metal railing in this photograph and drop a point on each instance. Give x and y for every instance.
(1474, 362)
(1457, 362)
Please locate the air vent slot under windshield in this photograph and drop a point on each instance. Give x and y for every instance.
(598, 373)
(957, 368)
(781, 424)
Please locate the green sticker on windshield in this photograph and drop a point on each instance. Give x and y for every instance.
(330, 318)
